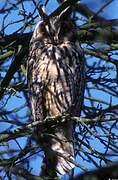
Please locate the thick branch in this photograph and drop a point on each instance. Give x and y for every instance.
(6, 55)
(50, 122)
(110, 172)
(100, 35)
(98, 54)
(13, 69)
(88, 13)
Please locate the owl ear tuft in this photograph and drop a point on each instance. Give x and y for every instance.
(65, 13)
(43, 14)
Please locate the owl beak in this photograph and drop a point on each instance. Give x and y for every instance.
(56, 40)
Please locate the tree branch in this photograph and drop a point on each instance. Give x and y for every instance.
(13, 69)
(51, 122)
(109, 172)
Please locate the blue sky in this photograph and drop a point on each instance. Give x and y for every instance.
(109, 12)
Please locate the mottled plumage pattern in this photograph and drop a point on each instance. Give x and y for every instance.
(56, 78)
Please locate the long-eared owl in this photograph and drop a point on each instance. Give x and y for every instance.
(56, 80)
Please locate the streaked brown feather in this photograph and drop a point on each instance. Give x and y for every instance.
(57, 80)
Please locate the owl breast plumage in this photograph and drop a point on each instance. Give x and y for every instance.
(56, 81)
(57, 74)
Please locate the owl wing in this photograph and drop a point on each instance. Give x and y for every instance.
(79, 80)
(35, 84)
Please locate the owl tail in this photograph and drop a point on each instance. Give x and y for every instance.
(59, 155)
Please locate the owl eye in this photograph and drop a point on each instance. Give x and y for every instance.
(42, 29)
(63, 30)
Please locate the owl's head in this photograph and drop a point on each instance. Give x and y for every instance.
(56, 29)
